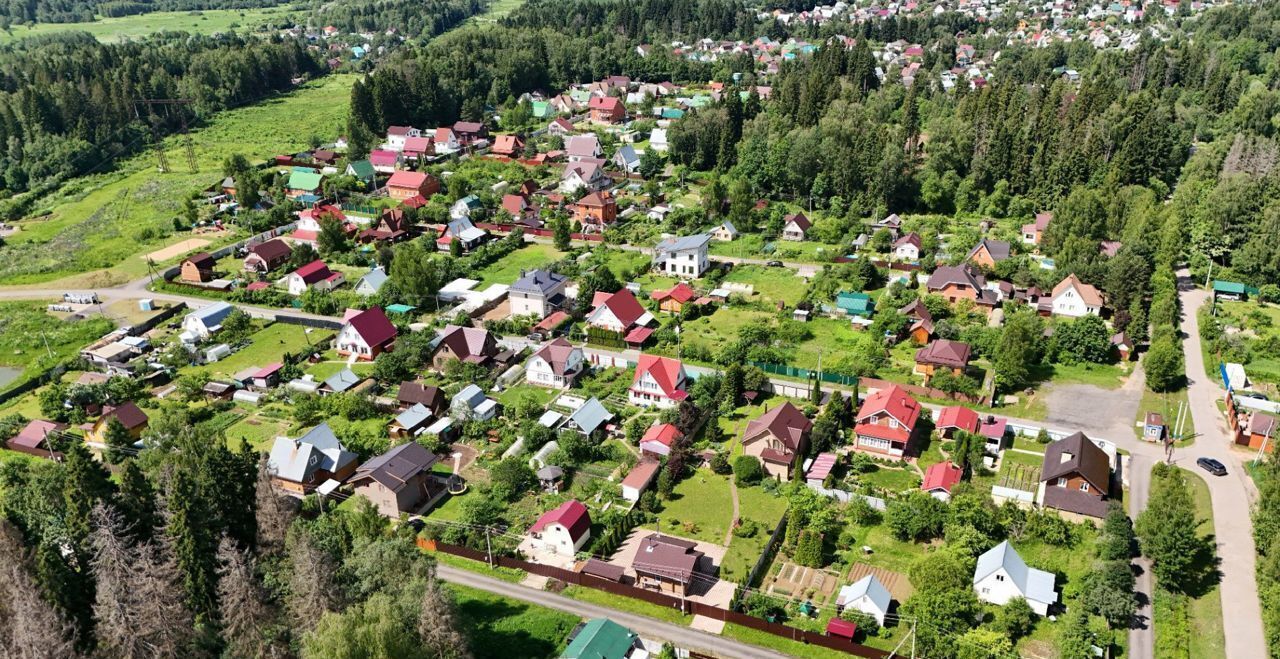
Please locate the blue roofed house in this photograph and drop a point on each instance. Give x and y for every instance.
(410, 423)
(344, 380)
(301, 465)
(471, 403)
(683, 256)
(626, 159)
(372, 282)
(1001, 575)
(589, 418)
(204, 322)
(856, 304)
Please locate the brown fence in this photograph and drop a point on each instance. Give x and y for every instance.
(544, 233)
(660, 599)
(927, 392)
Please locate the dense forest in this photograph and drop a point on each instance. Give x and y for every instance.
(67, 101)
(81, 11)
(414, 19)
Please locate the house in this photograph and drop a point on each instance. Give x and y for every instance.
(361, 170)
(638, 479)
(583, 147)
(1123, 345)
(886, 422)
(907, 248)
(304, 183)
(417, 148)
(867, 595)
(34, 439)
(921, 328)
(1077, 476)
(446, 141)
(580, 175)
(626, 159)
(1033, 233)
(685, 256)
(563, 530)
(128, 414)
(372, 282)
(303, 464)
(1153, 427)
(343, 381)
(957, 283)
(471, 403)
(596, 212)
(556, 364)
(415, 393)
(204, 322)
(510, 146)
(1001, 575)
(464, 231)
(517, 206)
(398, 481)
(385, 161)
(855, 304)
(939, 478)
(470, 132)
(724, 232)
(537, 293)
(589, 418)
(366, 335)
(658, 440)
(266, 377)
(620, 313)
(987, 253)
(659, 382)
(405, 184)
(267, 256)
(315, 274)
(667, 564)
(658, 140)
(393, 224)
(779, 438)
(1229, 290)
(892, 223)
(601, 638)
(560, 127)
(398, 135)
(1074, 298)
(198, 268)
(954, 418)
(1262, 432)
(944, 355)
(795, 227)
(471, 345)
(674, 299)
(606, 109)
(311, 222)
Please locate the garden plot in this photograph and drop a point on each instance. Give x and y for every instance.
(793, 581)
(897, 583)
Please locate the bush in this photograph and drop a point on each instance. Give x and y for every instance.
(747, 470)
(720, 464)
(866, 622)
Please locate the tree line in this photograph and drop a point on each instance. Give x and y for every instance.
(83, 11)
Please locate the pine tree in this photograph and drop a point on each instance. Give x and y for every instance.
(189, 528)
(119, 442)
(30, 628)
(562, 237)
(242, 610)
(274, 512)
(137, 502)
(312, 589)
(439, 625)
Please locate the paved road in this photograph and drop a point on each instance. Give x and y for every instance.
(1141, 634)
(678, 635)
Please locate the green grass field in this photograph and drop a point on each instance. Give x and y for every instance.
(500, 627)
(111, 30)
(756, 505)
(771, 284)
(506, 270)
(701, 508)
(1207, 636)
(269, 345)
(32, 340)
(94, 222)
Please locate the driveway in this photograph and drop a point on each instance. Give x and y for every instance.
(1108, 413)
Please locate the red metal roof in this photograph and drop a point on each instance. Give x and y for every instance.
(841, 628)
(941, 476)
(665, 434)
(373, 326)
(681, 293)
(408, 180)
(664, 370)
(962, 418)
(894, 401)
(572, 515)
(313, 271)
(624, 305)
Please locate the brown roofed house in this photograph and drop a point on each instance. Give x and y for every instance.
(415, 393)
(198, 268)
(1077, 476)
(129, 414)
(34, 438)
(399, 480)
(267, 256)
(957, 283)
(667, 564)
(778, 437)
(987, 253)
(942, 354)
(468, 344)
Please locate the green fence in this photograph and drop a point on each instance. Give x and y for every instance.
(786, 370)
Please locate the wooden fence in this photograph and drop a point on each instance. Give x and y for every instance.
(660, 599)
(544, 233)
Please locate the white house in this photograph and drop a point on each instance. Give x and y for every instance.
(583, 147)
(795, 227)
(396, 135)
(313, 275)
(658, 140)
(684, 256)
(1074, 298)
(556, 364)
(536, 293)
(471, 403)
(867, 595)
(659, 382)
(562, 530)
(725, 232)
(583, 175)
(626, 159)
(1001, 575)
(372, 282)
(907, 248)
(205, 322)
(446, 141)
(366, 335)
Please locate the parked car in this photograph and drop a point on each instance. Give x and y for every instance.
(1254, 395)
(1212, 466)
(773, 264)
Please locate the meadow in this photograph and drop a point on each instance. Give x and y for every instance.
(123, 28)
(31, 340)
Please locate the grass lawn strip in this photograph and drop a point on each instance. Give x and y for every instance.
(497, 626)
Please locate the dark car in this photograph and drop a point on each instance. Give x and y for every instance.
(416, 524)
(1254, 395)
(1212, 466)
(773, 264)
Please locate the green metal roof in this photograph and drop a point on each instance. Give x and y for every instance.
(361, 169)
(540, 108)
(1230, 287)
(600, 638)
(855, 303)
(304, 178)
(400, 308)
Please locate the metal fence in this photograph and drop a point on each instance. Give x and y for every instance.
(787, 370)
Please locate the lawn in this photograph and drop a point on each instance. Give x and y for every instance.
(721, 328)
(500, 627)
(763, 508)
(94, 222)
(889, 479)
(700, 508)
(770, 284)
(31, 340)
(506, 270)
(114, 29)
(1106, 376)
(831, 338)
(258, 429)
(1207, 636)
(268, 345)
(627, 604)
(328, 368)
(540, 396)
(783, 645)
(620, 261)
(508, 574)
(1167, 406)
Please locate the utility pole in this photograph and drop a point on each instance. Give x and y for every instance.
(161, 158)
(488, 548)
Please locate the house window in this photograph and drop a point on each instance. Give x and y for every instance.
(1084, 487)
(999, 577)
(1062, 482)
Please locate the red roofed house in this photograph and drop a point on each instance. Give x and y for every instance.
(508, 145)
(392, 225)
(621, 314)
(366, 335)
(562, 530)
(779, 438)
(596, 211)
(198, 268)
(942, 355)
(1034, 232)
(516, 205)
(957, 418)
(267, 256)
(886, 422)
(659, 382)
(417, 147)
(405, 184)
(606, 109)
(470, 131)
(313, 275)
(33, 439)
(1262, 432)
(940, 478)
(795, 227)
(658, 439)
(674, 299)
(907, 248)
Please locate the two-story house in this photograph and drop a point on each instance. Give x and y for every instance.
(622, 314)
(556, 364)
(1033, 233)
(886, 422)
(683, 256)
(795, 227)
(537, 293)
(907, 248)
(366, 335)
(471, 345)
(955, 283)
(1076, 476)
(779, 438)
(1074, 298)
(659, 382)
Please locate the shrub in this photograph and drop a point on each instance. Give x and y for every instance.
(747, 470)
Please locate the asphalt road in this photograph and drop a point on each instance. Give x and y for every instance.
(678, 635)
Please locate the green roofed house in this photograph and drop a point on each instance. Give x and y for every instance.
(400, 308)
(541, 109)
(856, 304)
(600, 638)
(1229, 290)
(361, 169)
(303, 181)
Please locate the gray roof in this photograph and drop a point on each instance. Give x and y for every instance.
(395, 468)
(682, 243)
(342, 380)
(298, 459)
(414, 416)
(375, 279)
(540, 282)
(550, 473)
(627, 154)
(869, 587)
(472, 394)
(1034, 584)
(590, 416)
(213, 314)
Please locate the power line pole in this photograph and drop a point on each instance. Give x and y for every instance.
(161, 158)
